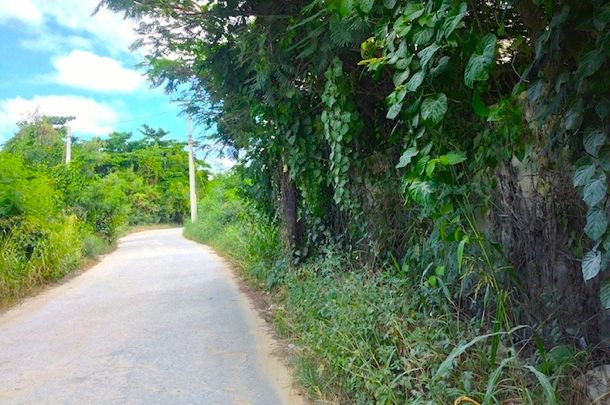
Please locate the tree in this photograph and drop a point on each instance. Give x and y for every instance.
(386, 126)
(37, 142)
(153, 136)
(118, 142)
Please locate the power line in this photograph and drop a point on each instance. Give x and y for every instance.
(140, 118)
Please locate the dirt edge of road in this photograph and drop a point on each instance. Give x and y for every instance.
(273, 351)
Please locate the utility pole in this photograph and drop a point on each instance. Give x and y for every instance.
(68, 144)
(192, 171)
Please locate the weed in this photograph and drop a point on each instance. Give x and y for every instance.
(372, 335)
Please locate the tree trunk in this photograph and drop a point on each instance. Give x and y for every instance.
(289, 198)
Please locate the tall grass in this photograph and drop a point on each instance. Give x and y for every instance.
(236, 230)
(33, 254)
(365, 335)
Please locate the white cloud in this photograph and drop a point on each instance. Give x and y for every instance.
(86, 70)
(219, 164)
(56, 43)
(109, 29)
(23, 10)
(92, 117)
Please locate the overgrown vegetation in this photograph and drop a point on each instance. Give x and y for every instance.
(54, 215)
(465, 140)
(366, 333)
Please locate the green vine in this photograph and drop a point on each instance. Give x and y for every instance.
(570, 84)
(340, 123)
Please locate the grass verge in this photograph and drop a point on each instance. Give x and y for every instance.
(67, 248)
(364, 335)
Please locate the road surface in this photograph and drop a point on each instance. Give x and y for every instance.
(159, 321)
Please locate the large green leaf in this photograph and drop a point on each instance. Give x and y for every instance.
(394, 111)
(478, 106)
(547, 387)
(346, 7)
(590, 63)
(415, 81)
(602, 108)
(423, 36)
(400, 77)
(573, 117)
(433, 108)
(413, 10)
(591, 264)
(426, 54)
(451, 23)
(593, 141)
(365, 5)
(452, 158)
(595, 190)
(597, 223)
(421, 191)
(585, 169)
(440, 67)
(430, 166)
(460, 252)
(406, 157)
(535, 90)
(604, 158)
(480, 63)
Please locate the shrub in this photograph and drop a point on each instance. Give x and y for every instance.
(374, 333)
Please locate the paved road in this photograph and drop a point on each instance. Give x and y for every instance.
(159, 321)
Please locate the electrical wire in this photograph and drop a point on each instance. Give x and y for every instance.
(141, 118)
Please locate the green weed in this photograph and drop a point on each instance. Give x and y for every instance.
(371, 335)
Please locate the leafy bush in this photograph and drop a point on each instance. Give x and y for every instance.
(24, 192)
(53, 215)
(106, 205)
(34, 253)
(232, 227)
(380, 126)
(375, 333)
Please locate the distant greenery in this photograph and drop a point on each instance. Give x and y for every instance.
(235, 229)
(53, 215)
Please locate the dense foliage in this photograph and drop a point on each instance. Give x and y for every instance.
(52, 215)
(466, 140)
(363, 334)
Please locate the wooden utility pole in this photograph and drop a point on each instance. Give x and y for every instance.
(68, 144)
(192, 182)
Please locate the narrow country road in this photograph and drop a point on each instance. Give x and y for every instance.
(159, 321)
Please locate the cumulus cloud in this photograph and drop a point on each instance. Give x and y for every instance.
(57, 43)
(92, 117)
(24, 10)
(86, 70)
(109, 30)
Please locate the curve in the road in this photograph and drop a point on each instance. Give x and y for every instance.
(158, 321)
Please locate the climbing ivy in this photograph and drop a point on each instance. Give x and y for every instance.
(339, 127)
(404, 124)
(569, 88)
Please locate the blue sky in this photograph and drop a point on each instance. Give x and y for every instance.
(57, 59)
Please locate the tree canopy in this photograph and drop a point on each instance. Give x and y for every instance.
(471, 135)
